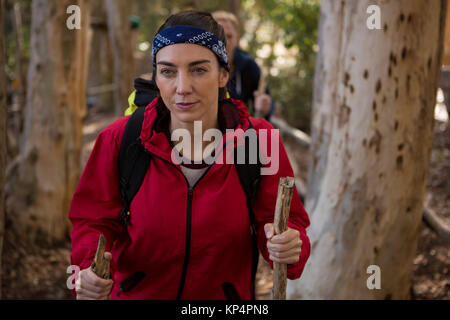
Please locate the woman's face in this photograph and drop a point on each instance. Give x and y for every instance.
(188, 77)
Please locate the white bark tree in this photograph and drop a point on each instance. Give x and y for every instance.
(50, 148)
(372, 131)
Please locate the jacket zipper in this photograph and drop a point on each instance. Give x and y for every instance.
(187, 249)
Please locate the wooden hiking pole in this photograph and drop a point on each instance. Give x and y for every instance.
(100, 265)
(282, 207)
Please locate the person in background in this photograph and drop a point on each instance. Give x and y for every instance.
(245, 74)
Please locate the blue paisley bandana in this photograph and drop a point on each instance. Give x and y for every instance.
(190, 34)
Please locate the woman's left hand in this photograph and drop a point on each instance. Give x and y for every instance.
(284, 247)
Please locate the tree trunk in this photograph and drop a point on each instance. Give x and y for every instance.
(49, 163)
(446, 53)
(3, 115)
(101, 64)
(20, 65)
(234, 6)
(372, 131)
(120, 33)
(445, 70)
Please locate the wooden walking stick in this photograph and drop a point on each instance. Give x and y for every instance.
(283, 205)
(100, 265)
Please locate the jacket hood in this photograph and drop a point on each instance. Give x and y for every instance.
(155, 135)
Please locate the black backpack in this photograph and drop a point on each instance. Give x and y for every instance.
(133, 162)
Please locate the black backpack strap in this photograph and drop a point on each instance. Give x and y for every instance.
(146, 91)
(249, 173)
(133, 162)
(133, 159)
(250, 176)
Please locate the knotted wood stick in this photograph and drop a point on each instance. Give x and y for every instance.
(100, 265)
(283, 205)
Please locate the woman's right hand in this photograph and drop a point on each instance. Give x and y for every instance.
(89, 286)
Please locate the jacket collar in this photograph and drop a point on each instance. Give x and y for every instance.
(155, 135)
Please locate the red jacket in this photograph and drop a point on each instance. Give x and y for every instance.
(200, 234)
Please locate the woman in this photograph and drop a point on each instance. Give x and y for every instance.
(189, 224)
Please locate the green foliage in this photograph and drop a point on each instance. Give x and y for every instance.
(298, 19)
(295, 25)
